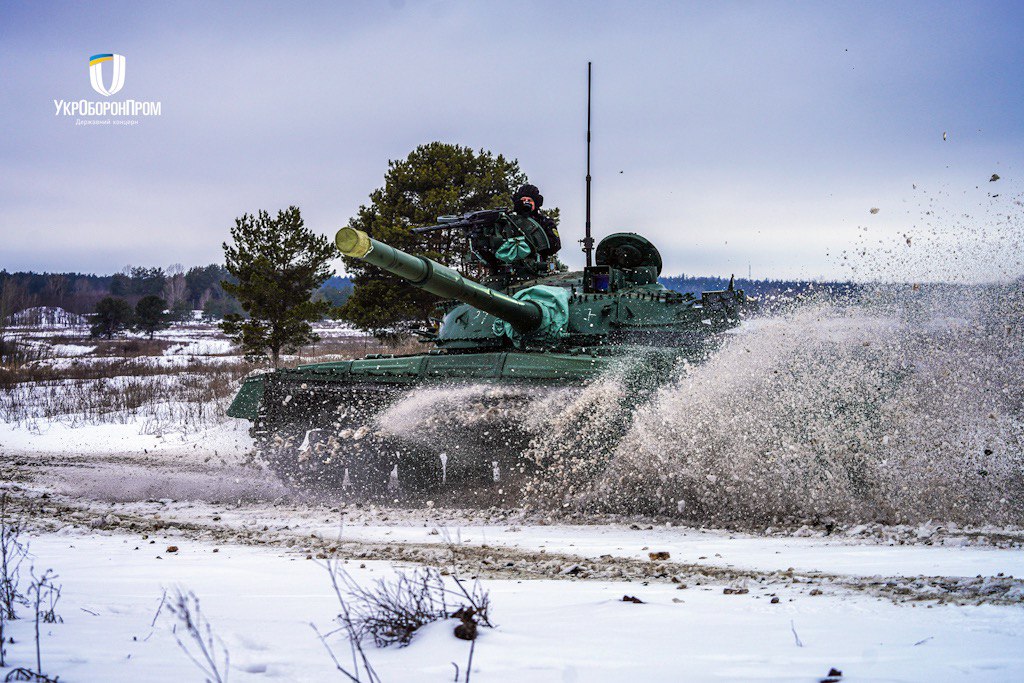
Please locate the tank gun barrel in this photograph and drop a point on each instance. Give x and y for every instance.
(523, 315)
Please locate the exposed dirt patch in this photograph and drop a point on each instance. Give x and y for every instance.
(43, 493)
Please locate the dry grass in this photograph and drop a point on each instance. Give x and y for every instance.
(132, 380)
(162, 403)
(121, 381)
(14, 354)
(342, 348)
(127, 348)
(206, 650)
(87, 369)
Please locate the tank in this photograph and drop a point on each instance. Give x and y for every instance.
(524, 322)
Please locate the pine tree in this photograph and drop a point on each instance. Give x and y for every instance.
(278, 263)
(435, 179)
(150, 315)
(112, 315)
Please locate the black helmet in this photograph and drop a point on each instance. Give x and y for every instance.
(527, 199)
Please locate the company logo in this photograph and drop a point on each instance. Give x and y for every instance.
(96, 73)
(107, 112)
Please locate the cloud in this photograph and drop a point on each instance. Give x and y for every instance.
(770, 127)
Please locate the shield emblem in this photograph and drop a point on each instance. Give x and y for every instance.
(96, 63)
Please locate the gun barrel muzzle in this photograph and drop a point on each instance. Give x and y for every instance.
(352, 242)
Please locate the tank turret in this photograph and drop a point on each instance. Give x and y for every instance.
(618, 301)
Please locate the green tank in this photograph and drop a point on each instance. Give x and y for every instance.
(527, 323)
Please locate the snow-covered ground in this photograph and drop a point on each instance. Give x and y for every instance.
(105, 497)
(230, 439)
(876, 603)
(260, 602)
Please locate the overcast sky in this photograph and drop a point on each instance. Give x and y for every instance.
(734, 135)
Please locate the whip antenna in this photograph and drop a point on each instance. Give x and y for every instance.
(588, 241)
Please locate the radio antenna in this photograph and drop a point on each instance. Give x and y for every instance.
(588, 241)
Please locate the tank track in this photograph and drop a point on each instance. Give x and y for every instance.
(329, 438)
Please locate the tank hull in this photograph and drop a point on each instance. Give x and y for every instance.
(402, 371)
(319, 427)
(433, 425)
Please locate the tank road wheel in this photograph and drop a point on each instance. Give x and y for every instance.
(319, 437)
(329, 463)
(362, 467)
(420, 471)
(473, 446)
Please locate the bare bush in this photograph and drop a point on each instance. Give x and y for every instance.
(210, 654)
(48, 596)
(15, 355)
(130, 348)
(12, 554)
(23, 674)
(392, 610)
(43, 594)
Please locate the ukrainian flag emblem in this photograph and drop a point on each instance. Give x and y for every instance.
(96, 73)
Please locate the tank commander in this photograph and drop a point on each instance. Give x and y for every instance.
(527, 202)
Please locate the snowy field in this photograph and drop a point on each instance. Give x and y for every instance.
(105, 496)
(261, 601)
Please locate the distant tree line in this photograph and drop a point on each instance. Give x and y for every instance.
(761, 289)
(183, 291)
(199, 289)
